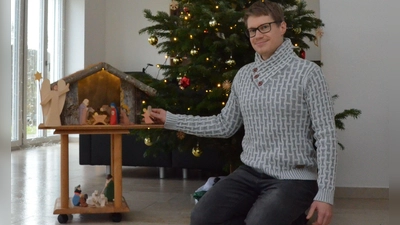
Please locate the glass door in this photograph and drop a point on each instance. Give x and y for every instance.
(34, 67)
(37, 55)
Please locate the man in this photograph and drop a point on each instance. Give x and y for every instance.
(286, 109)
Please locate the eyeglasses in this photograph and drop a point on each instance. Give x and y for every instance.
(263, 28)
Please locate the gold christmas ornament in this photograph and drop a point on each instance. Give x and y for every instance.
(194, 51)
(196, 151)
(226, 85)
(212, 22)
(297, 30)
(153, 40)
(230, 62)
(147, 141)
(177, 60)
(180, 135)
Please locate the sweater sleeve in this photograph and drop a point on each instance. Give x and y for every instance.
(223, 125)
(322, 115)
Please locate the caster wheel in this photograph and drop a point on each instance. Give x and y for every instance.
(62, 218)
(116, 217)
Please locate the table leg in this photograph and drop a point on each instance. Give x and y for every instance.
(117, 165)
(64, 172)
(112, 155)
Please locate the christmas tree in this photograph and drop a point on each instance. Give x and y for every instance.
(206, 44)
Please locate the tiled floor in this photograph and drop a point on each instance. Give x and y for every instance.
(35, 184)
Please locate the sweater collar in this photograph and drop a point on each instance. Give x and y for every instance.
(277, 61)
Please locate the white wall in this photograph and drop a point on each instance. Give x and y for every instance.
(95, 31)
(85, 34)
(359, 61)
(74, 57)
(125, 48)
(357, 51)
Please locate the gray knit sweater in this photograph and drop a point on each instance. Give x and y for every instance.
(283, 103)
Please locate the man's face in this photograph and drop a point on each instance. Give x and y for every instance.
(266, 44)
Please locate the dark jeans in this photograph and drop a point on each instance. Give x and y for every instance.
(249, 197)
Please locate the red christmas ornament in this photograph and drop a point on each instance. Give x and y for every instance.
(186, 9)
(184, 82)
(302, 54)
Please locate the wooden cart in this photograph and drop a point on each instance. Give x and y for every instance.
(63, 206)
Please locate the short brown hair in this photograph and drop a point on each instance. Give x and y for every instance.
(264, 8)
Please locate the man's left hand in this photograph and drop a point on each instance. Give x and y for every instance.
(324, 211)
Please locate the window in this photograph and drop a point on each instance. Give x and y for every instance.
(36, 43)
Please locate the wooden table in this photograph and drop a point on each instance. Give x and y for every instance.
(63, 205)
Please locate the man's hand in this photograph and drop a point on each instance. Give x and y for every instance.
(324, 213)
(158, 115)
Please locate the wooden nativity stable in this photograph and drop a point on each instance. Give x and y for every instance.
(103, 85)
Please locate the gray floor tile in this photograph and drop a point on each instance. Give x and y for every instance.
(35, 186)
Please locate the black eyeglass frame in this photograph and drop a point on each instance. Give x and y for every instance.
(247, 31)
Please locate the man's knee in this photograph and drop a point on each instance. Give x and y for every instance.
(196, 218)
